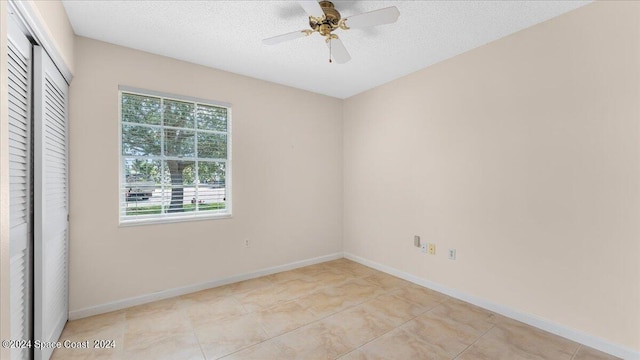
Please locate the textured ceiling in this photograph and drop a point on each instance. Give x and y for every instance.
(227, 35)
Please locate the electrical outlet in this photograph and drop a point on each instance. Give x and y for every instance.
(416, 240)
(452, 254)
(432, 249)
(423, 248)
(246, 242)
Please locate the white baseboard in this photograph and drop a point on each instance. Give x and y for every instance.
(544, 324)
(169, 293)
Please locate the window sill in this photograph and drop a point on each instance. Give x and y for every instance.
(173, 219)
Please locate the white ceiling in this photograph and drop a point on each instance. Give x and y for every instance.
(227, 35)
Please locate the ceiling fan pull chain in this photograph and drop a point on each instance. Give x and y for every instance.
(330, 51)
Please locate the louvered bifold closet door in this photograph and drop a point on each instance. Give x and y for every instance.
(50, 201)
(19, 96)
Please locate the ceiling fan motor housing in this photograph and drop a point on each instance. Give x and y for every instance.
(330, 22)
(330, 12)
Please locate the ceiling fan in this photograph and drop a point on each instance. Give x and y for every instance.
(324, 19)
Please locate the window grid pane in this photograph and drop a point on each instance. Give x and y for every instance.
(141, 140)
(141, 109)
(211, 118)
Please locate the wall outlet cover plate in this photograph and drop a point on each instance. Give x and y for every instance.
(432, 249)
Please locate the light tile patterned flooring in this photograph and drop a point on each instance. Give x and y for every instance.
(338, 309)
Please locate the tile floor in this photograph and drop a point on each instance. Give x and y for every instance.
(334, 310)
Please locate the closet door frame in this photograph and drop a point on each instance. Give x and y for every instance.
(29, 18)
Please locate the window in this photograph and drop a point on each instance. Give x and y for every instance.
(174, 157)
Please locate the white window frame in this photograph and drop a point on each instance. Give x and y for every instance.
(125, 220)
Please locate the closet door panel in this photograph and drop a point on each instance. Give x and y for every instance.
(50, 201)
(19, 96)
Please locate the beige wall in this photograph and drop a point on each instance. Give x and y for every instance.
(287, 180)
(523, 155)
(54, 18)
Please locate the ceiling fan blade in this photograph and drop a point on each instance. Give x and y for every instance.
(338, 51)
(373, 18)
(285, 37)
(311, 7)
